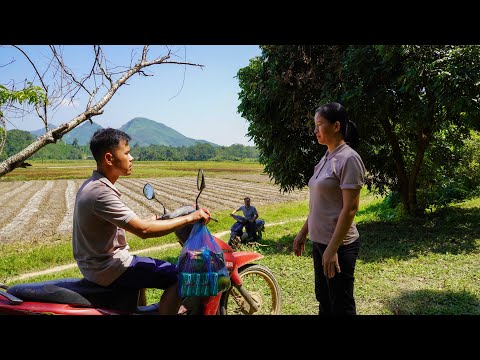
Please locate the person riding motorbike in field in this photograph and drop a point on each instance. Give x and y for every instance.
(251, 214)
(100, 219)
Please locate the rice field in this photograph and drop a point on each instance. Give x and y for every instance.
(40, 209)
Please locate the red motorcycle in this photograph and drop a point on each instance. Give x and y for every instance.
(253, 288)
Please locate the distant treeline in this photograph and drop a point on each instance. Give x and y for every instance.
(19, 139)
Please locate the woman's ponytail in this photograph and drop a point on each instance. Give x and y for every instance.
(336, 112)
(351, 134)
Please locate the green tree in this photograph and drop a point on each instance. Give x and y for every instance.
(31, 94)
(200, 152)
(411, 103)
(16, 140)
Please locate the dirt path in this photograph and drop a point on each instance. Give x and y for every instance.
(155, 248)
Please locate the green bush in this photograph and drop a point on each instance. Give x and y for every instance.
(456, 181)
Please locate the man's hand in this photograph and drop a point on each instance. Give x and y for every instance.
(152, 217)
(202, 215)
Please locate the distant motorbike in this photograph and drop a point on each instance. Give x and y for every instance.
(239, 236)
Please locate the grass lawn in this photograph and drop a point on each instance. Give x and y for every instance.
(407, 267)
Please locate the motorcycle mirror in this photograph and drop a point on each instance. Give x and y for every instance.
(149, 193)
(200, 185)
(200, 180)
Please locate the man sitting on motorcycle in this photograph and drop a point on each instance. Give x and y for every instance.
(100, 219)
(250, 214)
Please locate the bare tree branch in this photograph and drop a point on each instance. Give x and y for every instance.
(51, 136)
(44, 116)
(183, 80)
(66, 70)
(99, 64)
(11, 62)
(3, 135)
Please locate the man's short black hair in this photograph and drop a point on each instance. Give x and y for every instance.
(245, 199)
(104, 140)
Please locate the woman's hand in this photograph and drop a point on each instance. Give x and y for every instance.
(330, 263)
(299, 244)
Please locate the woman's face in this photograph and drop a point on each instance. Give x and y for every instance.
(324, 130)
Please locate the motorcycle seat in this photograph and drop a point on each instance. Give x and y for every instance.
(76, 292)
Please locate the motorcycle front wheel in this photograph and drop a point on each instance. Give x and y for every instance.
(262, 286)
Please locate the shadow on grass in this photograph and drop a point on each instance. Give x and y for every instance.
(282, 246)
(451, 230)
(432, 302)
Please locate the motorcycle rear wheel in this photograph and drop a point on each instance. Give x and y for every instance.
(260, 282)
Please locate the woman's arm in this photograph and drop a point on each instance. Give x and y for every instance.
(300, 239)
(351, 201)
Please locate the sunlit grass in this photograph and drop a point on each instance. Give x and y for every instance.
(406, 266)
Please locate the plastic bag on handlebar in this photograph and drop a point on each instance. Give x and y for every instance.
(201, 265)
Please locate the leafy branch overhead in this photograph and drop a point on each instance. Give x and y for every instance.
(56, 84)
(32, 95)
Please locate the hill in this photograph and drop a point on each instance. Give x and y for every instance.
(82, 133)
(146, 132)
(143, 131)
(41, 131)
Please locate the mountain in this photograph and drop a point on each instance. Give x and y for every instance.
(82, 133)
(41, 131)
(145, 132)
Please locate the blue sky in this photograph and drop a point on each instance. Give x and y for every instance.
(200, 103)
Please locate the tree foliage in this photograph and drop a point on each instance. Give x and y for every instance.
(198, 152)
(20, 139)
(279, 93)
(414, 106)
(31, 94)
(16, 141)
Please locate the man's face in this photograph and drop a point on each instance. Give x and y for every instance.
(247, 203)
(121, 159)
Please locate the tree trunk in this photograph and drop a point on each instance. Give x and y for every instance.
(423, 136)
(402, 176)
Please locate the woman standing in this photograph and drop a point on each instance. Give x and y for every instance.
(334, 200)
